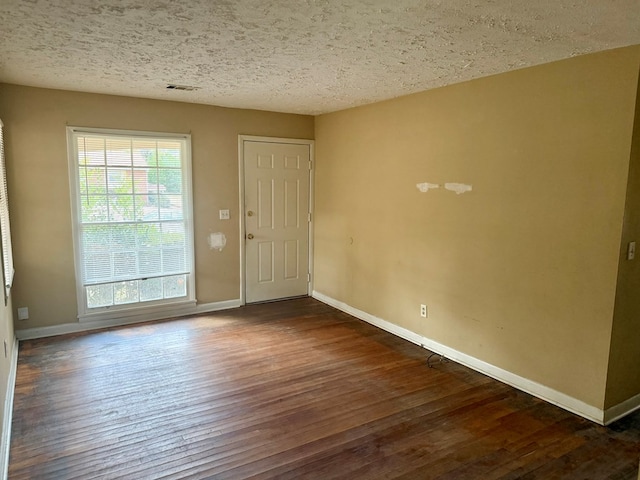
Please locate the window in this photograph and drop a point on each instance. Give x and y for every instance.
(5, 230)
(133, 232)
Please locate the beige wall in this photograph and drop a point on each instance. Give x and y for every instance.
(521, 272)
(35, 121)
(623, 381)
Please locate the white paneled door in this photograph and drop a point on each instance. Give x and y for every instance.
(277, 218)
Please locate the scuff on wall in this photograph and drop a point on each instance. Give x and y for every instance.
(453, 187)
(458, 187)
(217, 241)
(425, 187)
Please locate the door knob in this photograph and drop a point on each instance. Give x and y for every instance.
(250, 213)
(250, 236)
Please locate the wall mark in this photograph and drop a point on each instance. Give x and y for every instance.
(425, 187)
(458, 187)
(217, 241)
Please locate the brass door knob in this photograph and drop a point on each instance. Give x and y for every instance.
(250, 236)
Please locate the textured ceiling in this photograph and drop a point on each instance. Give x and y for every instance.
(302, 56)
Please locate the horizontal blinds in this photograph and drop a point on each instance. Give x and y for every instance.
(132, 216)
(5, 230)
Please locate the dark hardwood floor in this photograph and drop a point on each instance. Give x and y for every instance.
(287, 390)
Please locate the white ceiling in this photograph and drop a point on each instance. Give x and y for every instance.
(300, 56)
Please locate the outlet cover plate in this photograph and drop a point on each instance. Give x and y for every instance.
(23, 313)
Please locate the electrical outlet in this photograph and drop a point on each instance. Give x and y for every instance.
(423, 311)
(23, 313)
(224, 214)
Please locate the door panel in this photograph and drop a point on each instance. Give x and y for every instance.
(291, 203)
(291, 259)
(276, 186)
(265, 262)
(265, 206)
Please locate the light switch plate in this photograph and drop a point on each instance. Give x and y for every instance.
(631, 251)
(224, 214)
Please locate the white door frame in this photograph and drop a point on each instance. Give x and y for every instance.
(242, 216)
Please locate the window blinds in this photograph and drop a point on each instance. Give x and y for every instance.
(5, 230)
(132, 222)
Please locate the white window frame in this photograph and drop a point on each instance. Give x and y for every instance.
(140, 310)
(5, 233)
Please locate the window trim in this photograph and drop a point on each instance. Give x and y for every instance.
(5, 235)
(133, 310)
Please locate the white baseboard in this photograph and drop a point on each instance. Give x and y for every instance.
(367, 317)
(622, 409)
(216, 306)
(7, 413)
(41, 332)
(536, 389)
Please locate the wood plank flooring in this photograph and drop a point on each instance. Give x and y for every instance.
(287, 390)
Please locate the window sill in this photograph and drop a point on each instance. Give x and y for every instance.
(141, 313)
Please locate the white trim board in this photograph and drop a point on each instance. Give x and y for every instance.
(543, 392)
(130, 309)
(41, 332)
(622, 409)
(7, 414)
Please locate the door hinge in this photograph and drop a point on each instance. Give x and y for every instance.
(310, 165)
(309, 217)
(308, 278)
